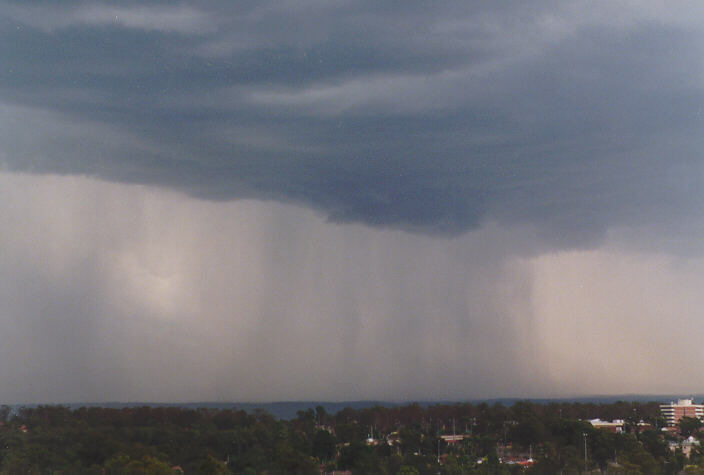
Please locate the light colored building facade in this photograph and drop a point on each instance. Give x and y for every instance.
(686, 445)
(673, 412)
(614, 426)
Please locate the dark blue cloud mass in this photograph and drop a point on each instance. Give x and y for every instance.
(430, 117)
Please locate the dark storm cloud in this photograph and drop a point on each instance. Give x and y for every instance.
(428, 117)
(539, 127)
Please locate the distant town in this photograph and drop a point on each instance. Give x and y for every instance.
(458, 438)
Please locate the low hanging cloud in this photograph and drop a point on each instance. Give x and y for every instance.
(573, 118)
(161, 18)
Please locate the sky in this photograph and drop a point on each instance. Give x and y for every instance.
(346, 200)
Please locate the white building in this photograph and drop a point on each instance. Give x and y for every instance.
(614, 426)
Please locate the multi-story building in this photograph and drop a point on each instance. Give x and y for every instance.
(673, 412)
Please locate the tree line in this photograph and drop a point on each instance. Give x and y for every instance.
(386, 440)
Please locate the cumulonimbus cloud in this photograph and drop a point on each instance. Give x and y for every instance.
(160, 162)
(541, 114)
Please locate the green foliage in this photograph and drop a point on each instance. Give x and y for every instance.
(211, 466)
(123, 464)
(324, 445)
(689, 426)
(655, 444)
(49, 439)
(407, 470)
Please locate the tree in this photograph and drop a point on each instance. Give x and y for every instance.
(654, 443)
(324, 445)
(211, 465)
(407, 470)
(321, 415)
(4, 413)
(689, 425)
(147, 464)
(411, 440)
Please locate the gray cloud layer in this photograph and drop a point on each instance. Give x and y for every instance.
(555, 147)
(434, 118)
